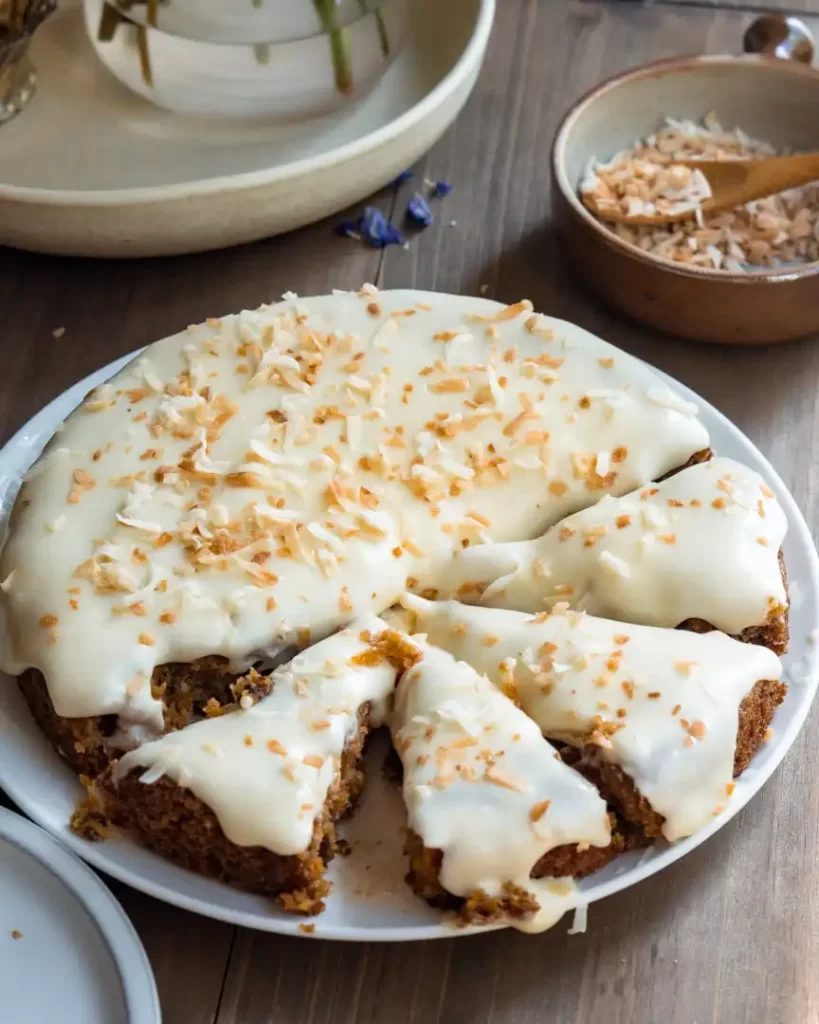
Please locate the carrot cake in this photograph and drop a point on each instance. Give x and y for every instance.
(487, 796)
(664, 718)
(262, 479)
(259, 482)
(701, 547)
(252, 797)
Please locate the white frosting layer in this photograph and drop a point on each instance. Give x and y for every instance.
(702, 544)
(662, 704)
(287, 469)
(482, 785)
(265, 771)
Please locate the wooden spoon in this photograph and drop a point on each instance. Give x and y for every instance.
(732, 182)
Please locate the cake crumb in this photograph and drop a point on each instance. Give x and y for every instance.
(580, 920)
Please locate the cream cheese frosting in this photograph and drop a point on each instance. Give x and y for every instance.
(702, 544)
(662, 704)
(484, 787)
(265, 771)
(265, 478)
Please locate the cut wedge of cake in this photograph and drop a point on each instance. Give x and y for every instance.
(664, 718)
(487, 797)
(252, 797)
(701, 548)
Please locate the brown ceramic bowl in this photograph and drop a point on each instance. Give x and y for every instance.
(770, 98)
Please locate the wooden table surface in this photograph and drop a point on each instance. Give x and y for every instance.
(730, 935)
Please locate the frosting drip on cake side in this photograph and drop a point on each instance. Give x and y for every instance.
(702, 544)
(265, 771)
(662, 704)
(484, 787)
(265, 478)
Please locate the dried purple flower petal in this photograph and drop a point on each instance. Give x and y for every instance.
(376, 230)
(441, 188)
(402, 177)
(419, 212)
(347, 229)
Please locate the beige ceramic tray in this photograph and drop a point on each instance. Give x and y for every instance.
(90, 169)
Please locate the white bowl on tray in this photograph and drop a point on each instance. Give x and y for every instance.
(201, 65)
(138, 180)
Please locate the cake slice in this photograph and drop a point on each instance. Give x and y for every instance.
(701, 549)
(665, 719)
(487, 798)
(252, 797)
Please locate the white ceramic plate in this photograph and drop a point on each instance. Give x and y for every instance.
(90, 169)
(68, 953)
(370, 900)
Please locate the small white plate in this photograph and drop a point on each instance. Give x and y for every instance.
(370, 900)
(68, 953)
(90, 169)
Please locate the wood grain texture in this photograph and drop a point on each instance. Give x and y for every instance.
(188, 954)
(728, 936)
(797, 7)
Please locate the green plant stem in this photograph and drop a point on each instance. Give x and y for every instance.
(144, 55)
(381, 25)
(339, 44)
(110, 19)
(382, 33)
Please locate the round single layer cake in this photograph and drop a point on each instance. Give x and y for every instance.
(264, 480)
